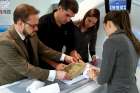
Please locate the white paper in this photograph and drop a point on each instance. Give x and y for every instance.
(38, 87)
(35, 85)
(85, 72)
(74, 80)
(52, 88)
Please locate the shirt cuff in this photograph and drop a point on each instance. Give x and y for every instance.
(52, 75)
(62, 57)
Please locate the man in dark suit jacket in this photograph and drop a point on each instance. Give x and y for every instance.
(16, 62)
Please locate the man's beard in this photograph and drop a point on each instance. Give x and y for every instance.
(27, 34)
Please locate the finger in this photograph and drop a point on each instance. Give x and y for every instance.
(92, 74)
(89, 74)
(67, 77)
(63, 65)
(79, 56)
(74, 60)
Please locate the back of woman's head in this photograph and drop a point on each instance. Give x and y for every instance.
(94, 12)
(122, 21)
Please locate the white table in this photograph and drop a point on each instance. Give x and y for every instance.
(79, 87)
(83, 86)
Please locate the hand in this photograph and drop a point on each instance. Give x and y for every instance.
(70, 59)
(94, 60)
(62, 75)
(75, 54)
(93, 72)
(60, 66)
(93, 57)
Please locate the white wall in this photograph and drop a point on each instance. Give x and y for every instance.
(101, 33)
(135, 18)
(84, 6)
(41, 5)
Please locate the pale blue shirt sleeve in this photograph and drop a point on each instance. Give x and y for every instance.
(62, 57)
(52, 73)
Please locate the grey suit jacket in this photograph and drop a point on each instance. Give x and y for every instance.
(14, 63)
(119, 64)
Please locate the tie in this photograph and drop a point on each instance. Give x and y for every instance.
(29, 49)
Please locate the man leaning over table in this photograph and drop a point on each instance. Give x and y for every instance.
(18, 61)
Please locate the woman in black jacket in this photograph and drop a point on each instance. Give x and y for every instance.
(86, 34)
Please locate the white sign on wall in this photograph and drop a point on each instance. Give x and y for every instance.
(5, 13)
(4, 7)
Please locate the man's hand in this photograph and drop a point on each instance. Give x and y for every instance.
(75, 54)
(62, 75)
(70, 59)
(60, 66)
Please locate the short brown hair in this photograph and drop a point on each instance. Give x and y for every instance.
(23, 11)
(69, 4)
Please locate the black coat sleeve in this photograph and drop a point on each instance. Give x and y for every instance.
(92, 44)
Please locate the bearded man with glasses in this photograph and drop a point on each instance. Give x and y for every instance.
(16, 61)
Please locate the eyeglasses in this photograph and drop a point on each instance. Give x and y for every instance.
(31, 25)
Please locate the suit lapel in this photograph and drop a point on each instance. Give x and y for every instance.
(23, 49)
(19, 41)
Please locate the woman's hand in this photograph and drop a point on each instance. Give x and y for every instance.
(93, 73)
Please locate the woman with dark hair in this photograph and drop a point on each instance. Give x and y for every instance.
(120, 55)
(86, 34)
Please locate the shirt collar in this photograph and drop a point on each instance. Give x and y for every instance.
(119, 31)
(21, 35)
